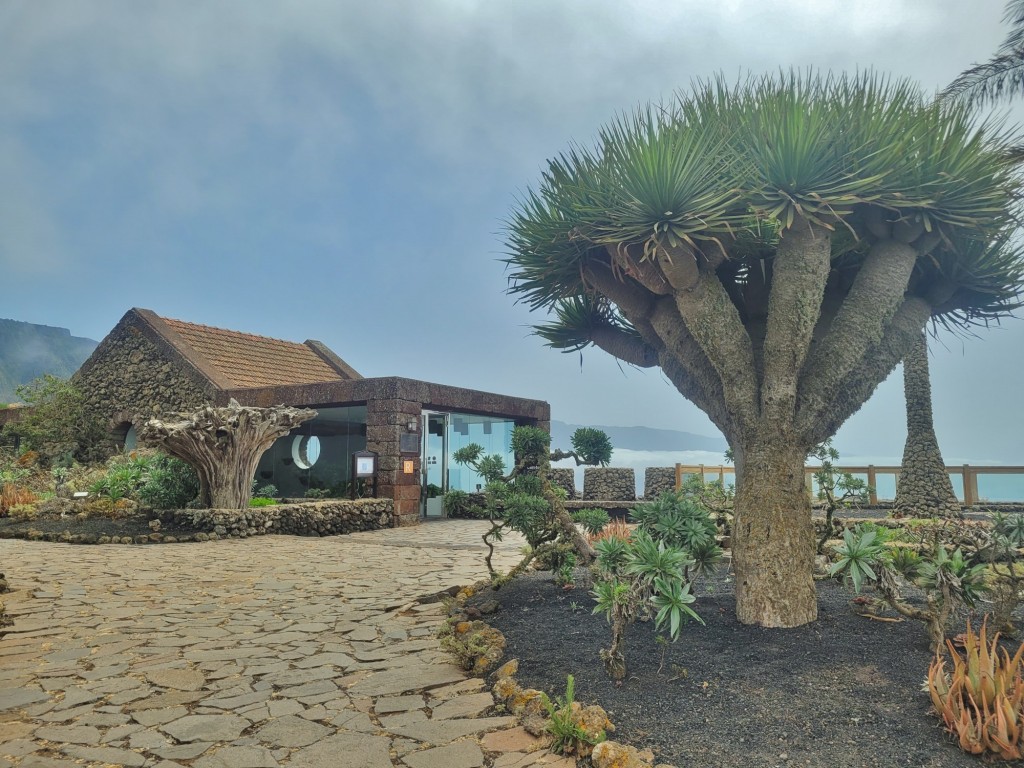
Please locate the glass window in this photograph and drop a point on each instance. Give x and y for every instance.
(493, 434)
(316, 456)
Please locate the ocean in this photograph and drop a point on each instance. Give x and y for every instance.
(993, 488)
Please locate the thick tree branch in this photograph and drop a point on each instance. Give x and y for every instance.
(689, 387)
(801, 269)
(876, 294)
(659, 323)
(644, 271)
(634, 302)
(907, 324)
(625, 346)
(713, 321)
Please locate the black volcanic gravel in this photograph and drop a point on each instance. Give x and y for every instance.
(844, 691)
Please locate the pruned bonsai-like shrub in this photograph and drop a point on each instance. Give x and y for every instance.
(592, 520)
(524, 500)
(948, 579)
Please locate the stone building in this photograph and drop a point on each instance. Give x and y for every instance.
(149, 365)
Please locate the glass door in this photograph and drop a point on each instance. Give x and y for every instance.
(435, 463)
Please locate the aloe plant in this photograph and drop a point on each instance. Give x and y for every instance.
(981, 700)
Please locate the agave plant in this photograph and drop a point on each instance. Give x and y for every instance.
(981, 701)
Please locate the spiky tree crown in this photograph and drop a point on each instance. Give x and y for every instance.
(720, 172)
(763, 242)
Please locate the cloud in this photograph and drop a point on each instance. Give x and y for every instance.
(31, 243)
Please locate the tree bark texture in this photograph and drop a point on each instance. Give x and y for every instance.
(778, 348)
(924, 488)
(773, 537)
(224, 445)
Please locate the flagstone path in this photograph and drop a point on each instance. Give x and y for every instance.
(248, 653)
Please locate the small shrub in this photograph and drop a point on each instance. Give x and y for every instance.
(59, 425)
(317, 493)
(616, 529)
(169, 483)
(947, 579)
(267, 491)
(13, 495)
(458, 504)
(107, 507)
(22, 512)
(568, 735)
(262, 501)
(592, 520)
(981, 701)
(640, 577)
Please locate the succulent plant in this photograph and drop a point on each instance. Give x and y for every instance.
(981, 700)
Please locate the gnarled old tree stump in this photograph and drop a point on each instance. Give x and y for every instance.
(224, 445)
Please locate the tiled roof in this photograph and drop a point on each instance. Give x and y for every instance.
(247, 360)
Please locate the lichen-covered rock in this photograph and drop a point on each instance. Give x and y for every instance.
(509, 669)
(609, 483)
(3, 584)
(593, 721)
(5, 620)
(477, 646)
(612, 754)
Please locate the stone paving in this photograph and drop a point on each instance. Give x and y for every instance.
(248, 653)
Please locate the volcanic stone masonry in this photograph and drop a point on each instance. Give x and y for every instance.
(616, 483)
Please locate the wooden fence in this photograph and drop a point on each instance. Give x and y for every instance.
(967, 472)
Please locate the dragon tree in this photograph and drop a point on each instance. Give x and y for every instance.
(776, 247)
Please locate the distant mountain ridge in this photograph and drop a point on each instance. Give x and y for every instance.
(641, 438)
(27, 351)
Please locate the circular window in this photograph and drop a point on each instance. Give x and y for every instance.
(305, 451)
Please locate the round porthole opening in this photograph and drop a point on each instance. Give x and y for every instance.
(305, 451)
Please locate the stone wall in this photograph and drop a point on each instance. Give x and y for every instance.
(564, 478)
(129, 374)
(609, 483)
(657, 480)
(315, 518)
(386, 422)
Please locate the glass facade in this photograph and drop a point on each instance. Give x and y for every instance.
(494, 434)
(316, 455)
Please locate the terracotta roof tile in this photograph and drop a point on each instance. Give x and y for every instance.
(248, 360)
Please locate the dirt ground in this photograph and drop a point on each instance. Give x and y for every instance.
(843, 691)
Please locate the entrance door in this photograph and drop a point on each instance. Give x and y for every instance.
(435, 463)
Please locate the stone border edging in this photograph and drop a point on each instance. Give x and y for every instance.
(314, 518)
(478, 647)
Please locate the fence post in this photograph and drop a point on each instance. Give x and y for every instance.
(872, 486)
(679, 476)
(970, 491)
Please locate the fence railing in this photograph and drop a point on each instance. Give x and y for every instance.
(968, 474)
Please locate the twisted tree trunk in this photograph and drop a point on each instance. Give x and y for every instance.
(224, 445)
(924, 488)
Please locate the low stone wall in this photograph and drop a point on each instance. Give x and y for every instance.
(314, 518)
(657, 480)
(564, 477)
(611, 483)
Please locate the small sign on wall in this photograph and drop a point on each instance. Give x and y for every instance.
(409, 443)
(408, 467)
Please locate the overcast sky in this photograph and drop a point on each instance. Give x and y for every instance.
(340, 170)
